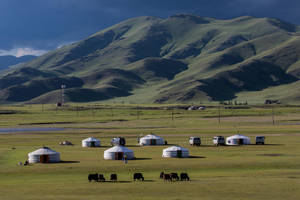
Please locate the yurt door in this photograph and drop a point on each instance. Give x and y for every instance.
(152, 142)
(119, 155)
(44, 159)
(240, 141)
(179, 154)
(93, 144)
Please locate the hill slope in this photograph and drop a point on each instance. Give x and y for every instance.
(6, 61)
(183, 58)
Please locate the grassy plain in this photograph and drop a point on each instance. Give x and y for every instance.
(269, 171)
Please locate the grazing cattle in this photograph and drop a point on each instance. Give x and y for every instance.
(161, 176)
(138, 176)
(113, 177)
(184, 177)
(167, 177)
(174, 176)
(93, 177)
(101, 178)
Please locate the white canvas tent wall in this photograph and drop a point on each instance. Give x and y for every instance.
(118, 153)
(44, 155)
(151, 140)
(175, 152)
(90, 142)
(237, 140)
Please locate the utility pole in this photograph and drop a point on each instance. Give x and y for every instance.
(219, 114)
(273, 119)
(62, 94)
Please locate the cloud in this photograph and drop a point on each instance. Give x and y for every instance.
(18, 52)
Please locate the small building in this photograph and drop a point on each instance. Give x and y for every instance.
(175, 152)
(67, 143)
(118, 153)
(260, 140)
(44, 155)
(151, 140)
(118, 141)
(219, 140)
(192, 108)
(237, 140)
(195, 141)
(91, 142)
(202, 108)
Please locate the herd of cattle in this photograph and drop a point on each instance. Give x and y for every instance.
(140, 177)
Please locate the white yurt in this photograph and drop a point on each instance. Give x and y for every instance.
(91, 142)
(118, 153)
(44, 155)
(175, 152)
(151, 140)
(237, 140)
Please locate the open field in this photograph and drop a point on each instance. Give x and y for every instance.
(269, 171)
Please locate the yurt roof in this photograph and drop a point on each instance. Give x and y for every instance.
(43, 151)
(118, 148)
(238, 136)
(176, 148)
(152, 136)
(91, 139)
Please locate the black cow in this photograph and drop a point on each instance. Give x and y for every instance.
(93, 177)
(167, 177)
(138, 176)
(113, 177)
(161, 176)
(101, 178)
(184, 177)
(174, 176)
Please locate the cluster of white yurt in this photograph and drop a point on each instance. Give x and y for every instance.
(237, 140)
(151, 140)
(44, 155)
(118, 153)
(91, 142)
(175, 152)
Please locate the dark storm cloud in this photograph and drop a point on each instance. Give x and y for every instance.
(45, 24)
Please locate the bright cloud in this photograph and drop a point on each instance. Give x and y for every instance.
(18, 52)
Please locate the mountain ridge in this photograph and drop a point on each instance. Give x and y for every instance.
(8, 60)
(183, 58)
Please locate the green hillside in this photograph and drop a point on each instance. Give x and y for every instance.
(183, 58)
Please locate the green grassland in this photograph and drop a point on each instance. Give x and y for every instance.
(269, 171)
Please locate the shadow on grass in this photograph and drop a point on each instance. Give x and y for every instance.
(69, 161)
(124, 181)
(271, 145)
(196, 157)
(170, 145)
(142, 159)
(133, 145)
(116, 182)
(146, 181)
(271, 154)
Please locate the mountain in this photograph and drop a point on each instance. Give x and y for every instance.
(183, 58)
(6, 61)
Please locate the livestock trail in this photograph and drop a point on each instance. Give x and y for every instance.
(268, 171)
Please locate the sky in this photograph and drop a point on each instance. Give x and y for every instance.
(33, 27)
